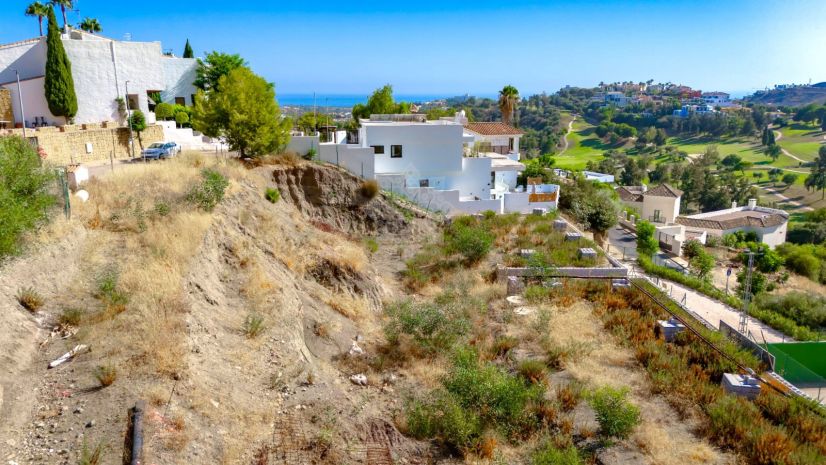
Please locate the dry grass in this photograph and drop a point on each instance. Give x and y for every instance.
(106, 375)
(353, 307)
(30, 299)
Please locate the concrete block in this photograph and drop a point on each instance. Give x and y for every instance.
(620, 283)
(515, 286)
(587, 253)
(670, 328)
(560, 225)
(573, 236)
(741, 385)
(527, 253)
(540, 211)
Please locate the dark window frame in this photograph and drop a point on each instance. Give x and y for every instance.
(376, 149)
(424, 182)
(393, 151)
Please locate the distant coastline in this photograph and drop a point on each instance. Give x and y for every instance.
(348, 100)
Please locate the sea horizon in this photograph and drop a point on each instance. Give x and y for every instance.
(347, 100)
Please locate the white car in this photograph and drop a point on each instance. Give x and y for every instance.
(161, 150)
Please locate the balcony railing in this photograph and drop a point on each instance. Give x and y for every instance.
(657, 219)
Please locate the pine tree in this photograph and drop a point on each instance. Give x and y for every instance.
(59, 85)
(764, 140)
(188, 53)
(770, 137)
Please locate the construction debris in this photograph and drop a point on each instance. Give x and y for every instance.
(79, 349)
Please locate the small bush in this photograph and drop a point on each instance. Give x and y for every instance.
(71, 317)
(253, 325)
(616, 416)
(549, 454)
(91, 456)
(273, 195)
(472, 242)
(25, 196)
(371, 244)
(210, 191)
(30, 299)
(533, 371)
(431, 328)
(502, 345)
(311, 154)
(106, 375)
(369, 189)
(109, 292)
(569, 396)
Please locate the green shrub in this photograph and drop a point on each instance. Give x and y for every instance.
(550, 454)
(311, 154)
(108, 290)
(253, 325)
(371, 244)
(472, 242)
(210, 191)
(181, 118)
(30, 299)
(273, 195)
(164, 111)
(537, 294)
(616, 416)
(533, 371)
(431, 327)
(25, 196)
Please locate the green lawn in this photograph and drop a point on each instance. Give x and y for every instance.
(583, 146)
(802, 140)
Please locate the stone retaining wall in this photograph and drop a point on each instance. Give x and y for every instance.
(563, 272)
(6, 113)
(86, 142)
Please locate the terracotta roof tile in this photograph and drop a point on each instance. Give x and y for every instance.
(664, 190)
(757, 221)
(629, 194)
(493, 129)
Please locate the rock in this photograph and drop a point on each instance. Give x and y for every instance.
(355, 349)
(90, 424)
(359, 379)
(78, 409)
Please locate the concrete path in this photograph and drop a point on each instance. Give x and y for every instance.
(565, 138)
(779, 135)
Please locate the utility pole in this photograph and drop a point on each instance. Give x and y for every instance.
(744, 315)
(20, 99)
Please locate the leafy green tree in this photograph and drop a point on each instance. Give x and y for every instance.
(764, 138)
(508, 100)
(775, 174)
(59, 84)
(597, 212)
(242, 108)
(647, 244)
(90, 25)
(216, 65)
(817, 180)
(380, 103)
(24, 192)
(692, 248)
(137, 121)
(789, 179)
(661, 138)
(773, 151)
(181, 118)
(732, 162)
(702, 264)
(38, 10)
(164, 111)
(188, 53)
(309, 122)
(64, 5)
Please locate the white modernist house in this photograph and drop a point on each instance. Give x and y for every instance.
(660, 205)
(448, 165)
(102, 69)
(598, 177)
(717, 99)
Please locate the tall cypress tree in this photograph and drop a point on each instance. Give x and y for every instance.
(60, 87)
(188, 53)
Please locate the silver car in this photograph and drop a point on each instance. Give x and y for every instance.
(160, 150)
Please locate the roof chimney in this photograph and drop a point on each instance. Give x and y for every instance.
(734, 204)
(752, 204)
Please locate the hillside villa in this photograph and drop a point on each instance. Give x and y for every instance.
(449, 164)
(660, 205)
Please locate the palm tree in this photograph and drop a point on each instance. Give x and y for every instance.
(40, 10)
(90, 25)
(63, 5)
(508, 99)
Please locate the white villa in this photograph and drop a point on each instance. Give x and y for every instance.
(661, 206)
(449, 164)
(102, 69)
(717, 99)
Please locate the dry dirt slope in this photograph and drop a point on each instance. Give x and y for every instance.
(185, 283)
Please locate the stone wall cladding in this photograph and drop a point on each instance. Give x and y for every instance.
(69, 144)
(5, 107)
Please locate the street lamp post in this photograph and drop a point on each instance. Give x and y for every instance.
(20, 99)
(129, 120)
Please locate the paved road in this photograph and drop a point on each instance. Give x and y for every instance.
(622, 243)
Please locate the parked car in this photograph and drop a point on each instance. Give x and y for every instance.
(161, 150)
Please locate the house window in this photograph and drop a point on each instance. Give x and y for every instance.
(378, 149)
(132, 102)
(180, 101)
(424, 182)
(395, 151)
(510, 144)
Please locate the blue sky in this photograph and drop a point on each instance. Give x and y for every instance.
(451, 47)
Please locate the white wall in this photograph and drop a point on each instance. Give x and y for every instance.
(474, 179)
(28, 57)
(669, 207)
(358, 160)
(507, 177)
(446, 201)
(427, 149)
(34, 102)
(302, 144)
(178, 76)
